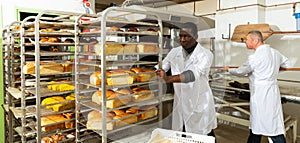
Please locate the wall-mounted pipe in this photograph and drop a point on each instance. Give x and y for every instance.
(294, 7)
(250, 5)
(229, 33)
(139, 2)
(209, 14)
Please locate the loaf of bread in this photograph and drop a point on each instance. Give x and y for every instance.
(148, 112)
(114, 28)
(44, 39)
(133, 29)
(95, 78)
(151, 30)
(53, 40)
(52, 100)
(57, 86)
(130, 48)
(57, 138)
(18, 27)
(47, 140)
(144, 75)
(132, 110)
(69, 116)
(113, 77)
(119, 77)
(123, 91)
(47, 30)
(141, 94)
(31, 29)
(45, 68)
(68, 66)
(94, 121)
(69, 40)
(71, 97)
(110, 49)
(53, 139)
(124, 118)
(52, 119)
(147, 48)
(116, 99)
(127, 119)
(57, 103)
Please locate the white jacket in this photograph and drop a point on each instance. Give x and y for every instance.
(193, 102)
(265, 103)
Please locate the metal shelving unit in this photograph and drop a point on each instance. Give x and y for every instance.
(87, 57)
(25, 96)
(11, 76)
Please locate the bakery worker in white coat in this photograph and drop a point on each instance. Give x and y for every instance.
(193, 107)
(262, 68)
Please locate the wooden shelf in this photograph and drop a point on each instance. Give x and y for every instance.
(286, 32)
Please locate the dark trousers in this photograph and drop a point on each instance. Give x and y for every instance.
(253, 138)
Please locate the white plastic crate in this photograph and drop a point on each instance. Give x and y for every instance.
(178, 137)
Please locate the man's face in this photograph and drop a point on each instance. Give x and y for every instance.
(250, 42)
(186, 39)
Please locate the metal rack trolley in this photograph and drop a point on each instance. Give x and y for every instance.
(25, 119)
(11, 77)
(109, 17)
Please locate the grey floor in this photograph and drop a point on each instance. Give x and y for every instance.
(230, 134)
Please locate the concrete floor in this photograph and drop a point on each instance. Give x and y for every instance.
(231, 134)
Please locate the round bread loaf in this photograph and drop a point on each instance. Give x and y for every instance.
(44, 40)
(119, 112)
(31, 29)
(53, 40)
(114, 28)
(18, 27)
(137, 70)
(69, 41)
(133, 29)
(132, 110)
(123, 91)
(151, 30)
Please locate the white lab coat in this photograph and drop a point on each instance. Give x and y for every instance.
(193, 102)
(262, 68)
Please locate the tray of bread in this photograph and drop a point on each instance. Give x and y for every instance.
(47, 24)
(48, 68)
(125, 48)
(121, 118)
(123, 76)
(58, 121)
(119, 63)
(93, 105)
(68, 137)
(45, 92)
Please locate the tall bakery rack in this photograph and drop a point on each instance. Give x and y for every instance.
(96, 27)
(23, 104)
(11, 77)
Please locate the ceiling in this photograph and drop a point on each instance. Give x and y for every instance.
(101, 5)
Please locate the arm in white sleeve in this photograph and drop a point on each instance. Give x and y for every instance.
(285, 62)
(242, 70)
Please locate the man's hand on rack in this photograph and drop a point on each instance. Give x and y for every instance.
(169, 79)
(226, 68)
(161, 73)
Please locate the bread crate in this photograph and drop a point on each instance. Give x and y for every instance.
(169, 136)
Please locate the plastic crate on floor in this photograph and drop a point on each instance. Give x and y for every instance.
(170, 136)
